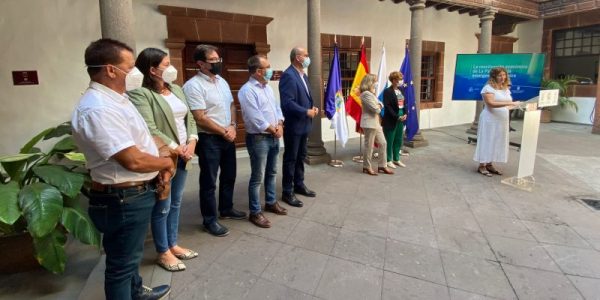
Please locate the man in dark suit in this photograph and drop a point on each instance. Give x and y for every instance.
(298, 111)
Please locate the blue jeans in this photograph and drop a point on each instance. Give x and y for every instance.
(165, 215)
(293, 162)
(214, 153)
(122, 215)
(263, 150)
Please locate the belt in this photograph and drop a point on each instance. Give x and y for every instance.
(99, 187)
(263, 134)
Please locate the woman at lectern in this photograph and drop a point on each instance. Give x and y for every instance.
(492, 132)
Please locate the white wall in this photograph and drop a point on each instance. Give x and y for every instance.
(51, 36)
(530, 37)
(584, 114)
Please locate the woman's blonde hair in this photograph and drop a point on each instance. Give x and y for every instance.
(395, 76)
(494, 72)
(367, 83)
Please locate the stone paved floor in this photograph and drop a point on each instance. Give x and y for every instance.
(434, 230)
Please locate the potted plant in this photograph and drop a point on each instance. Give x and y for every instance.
(562, 85)
(40, 194)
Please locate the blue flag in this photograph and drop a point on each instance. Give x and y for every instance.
(412, 122)
(334, 100)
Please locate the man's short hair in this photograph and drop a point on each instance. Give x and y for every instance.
(295, 51)
(104, 52)
(202, 51)
(254, 63)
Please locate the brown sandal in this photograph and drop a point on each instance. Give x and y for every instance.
(492, 170)
(385, 171)
(369, 171)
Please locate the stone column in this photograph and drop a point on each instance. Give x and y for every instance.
(596, 127)
(485, 46)
(116, 20)
(417, 8)
(316, 150)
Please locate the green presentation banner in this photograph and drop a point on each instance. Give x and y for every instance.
(472, 72)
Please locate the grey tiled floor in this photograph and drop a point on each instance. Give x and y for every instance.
(434, 230)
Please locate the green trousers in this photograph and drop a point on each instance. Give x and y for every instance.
(394, 138)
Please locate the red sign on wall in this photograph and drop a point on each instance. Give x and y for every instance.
(25, 78)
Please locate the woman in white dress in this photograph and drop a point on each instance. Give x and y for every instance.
(492, 133)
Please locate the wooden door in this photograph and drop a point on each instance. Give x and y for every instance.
(235, 71)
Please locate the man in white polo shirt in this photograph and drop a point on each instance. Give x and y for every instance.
(211, 103)
(123, 162)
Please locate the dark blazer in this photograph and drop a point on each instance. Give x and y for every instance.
(391, 110)
(295, 101)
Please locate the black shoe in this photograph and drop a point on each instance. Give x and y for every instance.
(233, 214)
(216, 229)
(292, 200)
(157, 293)
(304, 191)
(511, 129)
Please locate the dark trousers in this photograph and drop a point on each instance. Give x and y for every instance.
(122, 215)
(293, 161)
(215, 152)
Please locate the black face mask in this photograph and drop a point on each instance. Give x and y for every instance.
(216, 68)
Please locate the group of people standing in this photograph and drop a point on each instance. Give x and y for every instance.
(387, 131)
(132, 120)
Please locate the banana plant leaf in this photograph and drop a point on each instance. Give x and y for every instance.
(14, 164)
(67, 182)
(42, 206)
(75, 156)
(60, 130)
(9, 204)
(77, 222)
(35, 140)
(50, 251)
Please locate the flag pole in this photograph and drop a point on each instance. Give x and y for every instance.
(359, 158)
(334, 162)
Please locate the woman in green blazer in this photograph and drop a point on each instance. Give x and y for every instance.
(164, 108)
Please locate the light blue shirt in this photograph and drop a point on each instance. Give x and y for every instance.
(259, 108)
(213, 96)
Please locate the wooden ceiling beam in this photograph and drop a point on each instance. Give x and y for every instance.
(441, 6)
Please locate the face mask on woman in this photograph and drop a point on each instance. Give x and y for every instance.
(169, 74)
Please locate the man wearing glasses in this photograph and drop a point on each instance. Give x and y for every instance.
(211, 103)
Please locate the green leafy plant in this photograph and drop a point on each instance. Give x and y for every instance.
(40, 194)
(562, 85)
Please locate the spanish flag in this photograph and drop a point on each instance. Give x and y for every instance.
(353, 104)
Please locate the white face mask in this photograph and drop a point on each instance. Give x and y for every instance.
(133, 79)
(169, 74)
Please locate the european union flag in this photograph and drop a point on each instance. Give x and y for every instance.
(412, 121)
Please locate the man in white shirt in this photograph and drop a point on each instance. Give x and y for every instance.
(123, 162)
(263, 121)
(211, 103)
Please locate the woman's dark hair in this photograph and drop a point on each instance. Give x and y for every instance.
(150, 58)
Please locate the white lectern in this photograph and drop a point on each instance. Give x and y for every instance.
(531, 127)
